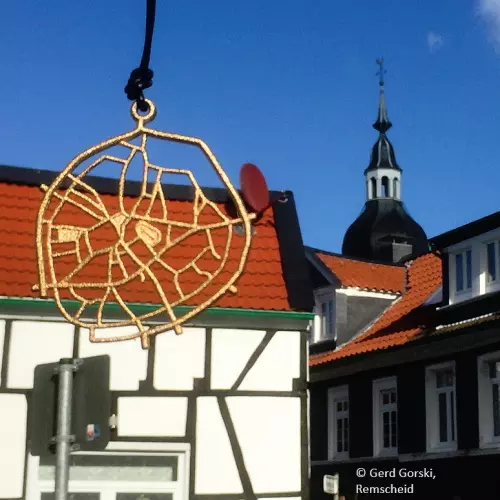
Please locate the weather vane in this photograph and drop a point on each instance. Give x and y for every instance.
(92, 249)
(381, 72)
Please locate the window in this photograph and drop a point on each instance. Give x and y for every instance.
(338, 422)
(441, 408)
(492, 262)
(489, 399)
(374, 187)
(115, 475)
(385, 413)
(327, 325)
(463, 271)
(325, 309)
(385, 187)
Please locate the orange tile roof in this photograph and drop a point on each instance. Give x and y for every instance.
(261, 286)
(365, 275)
(402, 321)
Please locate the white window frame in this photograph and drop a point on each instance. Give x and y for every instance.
(380, 385)
(494, 285)
(465, 293)
(108, 489)
(335, 394)
(432, 409)
(487, 439)
(324, 296)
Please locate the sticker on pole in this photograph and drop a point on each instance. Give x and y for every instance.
(331, 484)
(93, 431)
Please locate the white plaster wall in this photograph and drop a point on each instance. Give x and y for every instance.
(215, 468)
(277, 366)
(268, 430)
(128, 361)
(2, 339)
(179, 359)
(12, 444)
(316, 328)
(231, 350)
(34, 343)
(143, 416)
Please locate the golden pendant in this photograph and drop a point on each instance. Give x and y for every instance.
(79, 235)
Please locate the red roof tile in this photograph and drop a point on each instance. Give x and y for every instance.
(261, 286)
(402, 321)
(365, 275)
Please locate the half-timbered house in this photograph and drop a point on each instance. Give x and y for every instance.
(217, 412)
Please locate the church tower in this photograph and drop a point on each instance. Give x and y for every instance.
(384, 231)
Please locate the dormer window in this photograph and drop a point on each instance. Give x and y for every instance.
(463, 271)
(492, 262)
(473, 266)
(327, 325)
(325, 309)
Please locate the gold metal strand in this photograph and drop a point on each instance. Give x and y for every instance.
(152, 230)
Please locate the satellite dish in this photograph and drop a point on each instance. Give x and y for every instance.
(254, 187)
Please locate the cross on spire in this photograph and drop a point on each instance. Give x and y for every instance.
(381, 71)
(382, 124)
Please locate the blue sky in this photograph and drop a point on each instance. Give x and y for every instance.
(290, 86)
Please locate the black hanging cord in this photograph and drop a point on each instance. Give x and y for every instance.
(142, 77)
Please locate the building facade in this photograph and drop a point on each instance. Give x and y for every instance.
(404, 354)
(413, 399)
(217, 412)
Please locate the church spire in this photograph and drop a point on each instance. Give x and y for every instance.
(383, 175)
(384, 231)
(382, 124)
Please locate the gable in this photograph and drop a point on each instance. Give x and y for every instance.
(403, 321)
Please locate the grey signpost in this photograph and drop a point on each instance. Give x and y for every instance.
(71, 410)
(64, 439)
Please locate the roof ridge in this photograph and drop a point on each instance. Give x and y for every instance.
(108, 185)
(355, 259)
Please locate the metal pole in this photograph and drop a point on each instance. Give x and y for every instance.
(64, 439)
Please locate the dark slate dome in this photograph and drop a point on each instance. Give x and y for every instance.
(384, 231)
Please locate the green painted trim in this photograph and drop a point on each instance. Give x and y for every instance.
(145, 308)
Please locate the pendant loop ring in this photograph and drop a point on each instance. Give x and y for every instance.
(149, 116)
